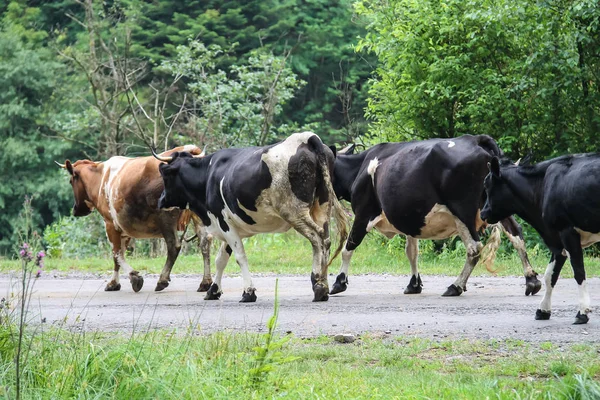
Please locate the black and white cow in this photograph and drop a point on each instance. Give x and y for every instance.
(560, 198)
(238, 193)
(430, 189)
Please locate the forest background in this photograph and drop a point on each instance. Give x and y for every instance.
(83, 79)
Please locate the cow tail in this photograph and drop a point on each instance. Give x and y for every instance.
(489, 251)
(184, 219)
(339, 213)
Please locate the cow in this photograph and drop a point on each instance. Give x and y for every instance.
(430, 189)
(125, 191)
(241, 192)
(560, 199)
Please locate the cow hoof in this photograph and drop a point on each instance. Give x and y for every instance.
(249, 296)
(452, 290)
(340, 285)
(213, 292)
(415, 286)
(321, 292)
(112, 287)
(160, 286)
(204, 286)
(136, 281)
(542, 315)
(581, 319)
(532, 285)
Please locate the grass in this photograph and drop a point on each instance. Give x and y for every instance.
(183, 365)
(289, 253)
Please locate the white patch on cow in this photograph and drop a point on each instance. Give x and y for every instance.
(124, 267)
(451, 144)
(412, 253)
(346, 257)
(383, 225)
(89, 204)
(111, 179)
(190, 147)
(584, 298)
(267, 221)
(373, 164)
(546, 304)
(440, 223)
(588, 238)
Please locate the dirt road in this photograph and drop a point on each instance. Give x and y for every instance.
(492, 307)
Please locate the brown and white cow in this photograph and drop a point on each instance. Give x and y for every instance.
(125, 191)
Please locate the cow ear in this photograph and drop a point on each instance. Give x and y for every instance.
(333, 150)
(494, 167)
(69, 166)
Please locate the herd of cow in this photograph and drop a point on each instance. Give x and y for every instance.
(430, 189)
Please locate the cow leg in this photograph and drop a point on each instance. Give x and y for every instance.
(550, 278)
(512, 230)
(235, 243)
(214, 292)
(173, 248)
(205, 242)
(572, 242)
(304, 224)
(321, 214)
(412, 252)
(471, 240)
(119, 246)
(355, 238)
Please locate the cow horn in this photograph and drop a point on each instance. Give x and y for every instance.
(161, 158)
(63, 166)
(518, 161)
(348, 149)
(201, 154)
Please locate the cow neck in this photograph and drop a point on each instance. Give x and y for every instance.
(93, 182)
(346, 169)
(195, 183)
(527, 184)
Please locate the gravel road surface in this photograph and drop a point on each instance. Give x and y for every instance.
(492, 308)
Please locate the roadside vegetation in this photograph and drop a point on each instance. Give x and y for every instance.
(185, 364)
(290, 253)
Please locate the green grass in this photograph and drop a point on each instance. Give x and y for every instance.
(289, 253)
(182, 365)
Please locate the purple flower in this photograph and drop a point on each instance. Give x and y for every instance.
(25, 253)
(39, 273)
(39, 260)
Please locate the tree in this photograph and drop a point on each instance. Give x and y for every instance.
(508, 69)
(30, 76)
(235, 107)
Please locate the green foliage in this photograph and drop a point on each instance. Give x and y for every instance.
(73, 237)
(519, 71)
(236, 107)
(269, 354)
(30, 75)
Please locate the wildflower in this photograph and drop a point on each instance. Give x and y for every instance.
(39, 261)
(25, 252)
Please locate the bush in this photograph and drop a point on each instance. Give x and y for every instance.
(74, 237)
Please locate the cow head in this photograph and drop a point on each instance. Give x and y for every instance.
(79, 173)
(174, 194)
(499, 196)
